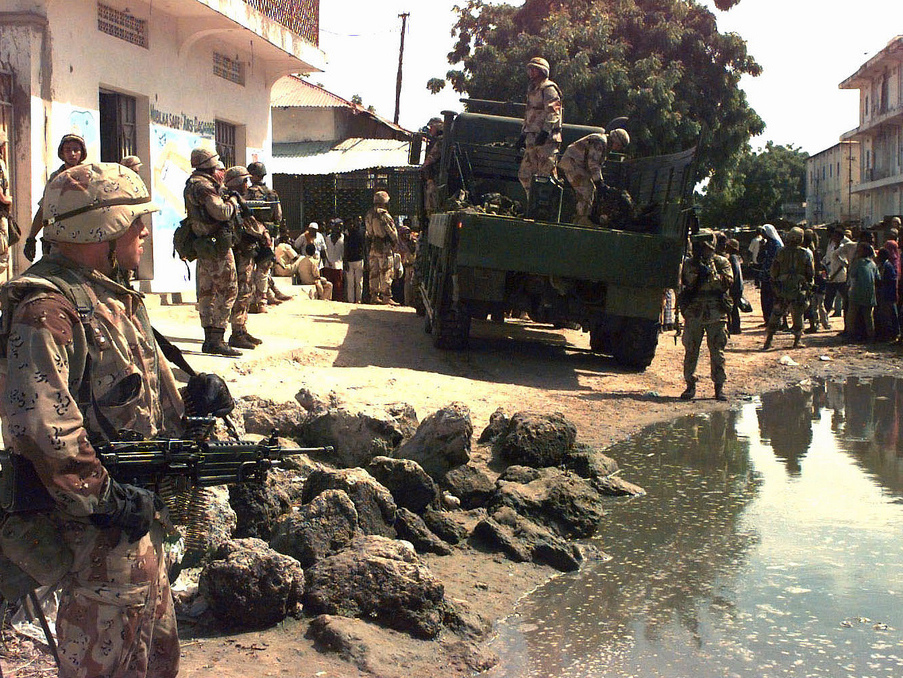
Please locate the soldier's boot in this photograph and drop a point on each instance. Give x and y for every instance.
(797, 339)
(719, 393)
(272, 300)
(690, 391)
(254, 340)
(215, 344)
(241, 339)
(768, 337)
(257, 308)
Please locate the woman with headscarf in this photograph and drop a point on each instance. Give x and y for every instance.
(863, 279)
(773, 245)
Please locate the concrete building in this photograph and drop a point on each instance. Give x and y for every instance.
(152, 78)
(880, 133)
(831, 180)
(330, 155)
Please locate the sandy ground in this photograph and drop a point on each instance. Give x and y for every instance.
(373, 355)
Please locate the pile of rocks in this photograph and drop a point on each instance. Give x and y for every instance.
(343, 537)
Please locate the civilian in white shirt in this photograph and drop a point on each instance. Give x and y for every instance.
(335, 255)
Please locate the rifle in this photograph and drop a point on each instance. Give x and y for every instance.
(204, 463)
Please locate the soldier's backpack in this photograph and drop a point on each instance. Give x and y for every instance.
(184, 241)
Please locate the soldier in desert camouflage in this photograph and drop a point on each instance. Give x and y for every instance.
(541, 133)
(582, 164)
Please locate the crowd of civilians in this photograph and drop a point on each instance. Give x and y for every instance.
(857, 280)
(335, 263)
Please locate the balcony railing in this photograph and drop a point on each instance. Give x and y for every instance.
(301, 17)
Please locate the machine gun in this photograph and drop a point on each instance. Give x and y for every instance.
(203, 463)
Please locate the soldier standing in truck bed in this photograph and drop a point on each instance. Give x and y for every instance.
(429, 170)
(541, 133)
(582, 166)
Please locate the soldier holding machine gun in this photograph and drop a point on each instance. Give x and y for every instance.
(82, 366)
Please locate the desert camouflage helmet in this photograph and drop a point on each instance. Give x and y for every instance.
(94, 203)
(796, 235)
(77, 139)
(704, 238)
(203, 158)
(257, 169)
(380, 198)
(621, 136)
(235, 175)
(540, 63)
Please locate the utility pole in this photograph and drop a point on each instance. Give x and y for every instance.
(404, 23)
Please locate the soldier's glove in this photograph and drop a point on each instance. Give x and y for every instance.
(243, 208)
(542, 138)
(207, 395)
(31, 248)
(705, 273)
(522, 141)
(130, 508)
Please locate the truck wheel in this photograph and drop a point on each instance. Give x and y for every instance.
(636, 343)
(451, 330)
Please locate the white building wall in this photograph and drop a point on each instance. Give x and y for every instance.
(305, 124)
(178, 98)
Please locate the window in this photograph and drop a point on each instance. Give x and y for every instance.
(118, 126)
(225, 142)
(228, 68)
(122, 25)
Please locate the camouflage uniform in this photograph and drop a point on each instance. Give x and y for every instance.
(383, 236)
(581, 164)
(4, 215)
(544, 114)
(70, 376)
(792, 273)
(430, 171)
(217, 277)
(262, 284)
(705, 313)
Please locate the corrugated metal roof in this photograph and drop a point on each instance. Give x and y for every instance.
(293, 91)
(350, 155)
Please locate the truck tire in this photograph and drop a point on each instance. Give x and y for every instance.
(635, 345)
(451, 330)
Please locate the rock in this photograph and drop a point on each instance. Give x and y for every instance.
(321, 528)
(559, 500)
(498, 425)
(373, 502)
(409, 484)
(464, 622)
(410, 527)
(613, 486)
(521, 540)
(450, 501)
(587, 462)
(537, 440)
(519, 474)
(263, 416)
(205, 521)
(442, 441)
(257, 507)
(444, 526)
(344, 636)
(249, 586)
(313, 403)
(358, 437)
(381, 579)
(470, 485)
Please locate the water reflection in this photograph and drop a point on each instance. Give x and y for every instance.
(768, 545)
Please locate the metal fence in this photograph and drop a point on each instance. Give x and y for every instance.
(299, 16)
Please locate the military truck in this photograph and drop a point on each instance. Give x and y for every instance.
(474, 263)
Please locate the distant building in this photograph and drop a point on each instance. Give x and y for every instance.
(146, 78)
(832, 178)
(880, 133)
(330, 155)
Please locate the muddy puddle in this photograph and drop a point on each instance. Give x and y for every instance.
(770, 544)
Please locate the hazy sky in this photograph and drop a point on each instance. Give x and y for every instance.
(806, 47)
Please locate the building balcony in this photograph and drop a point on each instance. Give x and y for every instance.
(288, 30)
(874, 179)
(891, 117)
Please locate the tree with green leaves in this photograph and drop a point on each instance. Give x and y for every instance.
(757, 188)
(662, 63)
